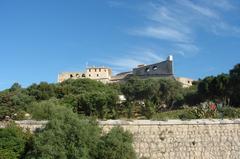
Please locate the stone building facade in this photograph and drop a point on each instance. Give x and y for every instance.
(186, 82)
(162, 69)
(102, 74)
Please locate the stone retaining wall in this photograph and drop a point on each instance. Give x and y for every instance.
(32, 125)
(175, 139)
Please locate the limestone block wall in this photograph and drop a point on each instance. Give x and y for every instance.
(175, 139)
(31, 125)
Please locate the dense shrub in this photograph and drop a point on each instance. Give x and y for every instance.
(159, 91)
(13, 142)
(66, 136)
(117, 144)
(69, 136)
(47, 110)
(230, 112)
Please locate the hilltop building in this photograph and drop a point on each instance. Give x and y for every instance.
(102, 74)
(162, 69)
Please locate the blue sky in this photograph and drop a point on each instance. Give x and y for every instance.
(41, 38)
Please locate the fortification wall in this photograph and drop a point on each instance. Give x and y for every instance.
(175, 139)
(31, 125)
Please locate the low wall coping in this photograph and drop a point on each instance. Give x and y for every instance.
(170, 122)
(31, 122)
(139, 122)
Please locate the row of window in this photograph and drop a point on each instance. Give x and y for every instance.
(154, 68)
(83, 75)
(95, 69)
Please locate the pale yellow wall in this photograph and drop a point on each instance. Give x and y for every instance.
(67, 75)
(186, 82)
(96, 73)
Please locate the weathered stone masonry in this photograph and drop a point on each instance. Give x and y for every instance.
(176, 139)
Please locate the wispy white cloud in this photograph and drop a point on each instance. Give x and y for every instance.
(178, 22)
(162, 33)
(185, 49)
(203, 10)
(221, 4)
(188, 47)
(132, 59)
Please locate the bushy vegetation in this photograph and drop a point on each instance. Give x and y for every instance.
(224, 88)
(145, 98)
(67, 135)
(13, 142)
(204, 110)
(117, 144)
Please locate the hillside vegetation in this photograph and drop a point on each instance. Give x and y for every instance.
(73, 106)
(144, 98)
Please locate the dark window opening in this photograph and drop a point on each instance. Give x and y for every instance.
(83, 75)
(147, 69)
(71, 76)
(89, 75)
(97, 75)
(77, 75)
(154, 68)
(95, 70)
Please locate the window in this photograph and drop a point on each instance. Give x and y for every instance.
(105, 70)
(90, 70)
(77, 75)
(71, 76)
(97, 75)
(83, 75)
(154, 68)
(147, 69)
(95, 70)
(89, 75)
(99, 69)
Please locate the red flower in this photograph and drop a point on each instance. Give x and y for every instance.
(212, 107)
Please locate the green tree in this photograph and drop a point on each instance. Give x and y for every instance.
(235, 85)
(47, 110)
(159, 91)
(98, 104)
(13, 101)
(13, 142)
(211, 88)
(117, 144)
(66, 136)
(42, 91)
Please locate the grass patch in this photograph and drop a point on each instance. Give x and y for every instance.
(174, 114)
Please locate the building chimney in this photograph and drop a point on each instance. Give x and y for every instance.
(170, 58)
